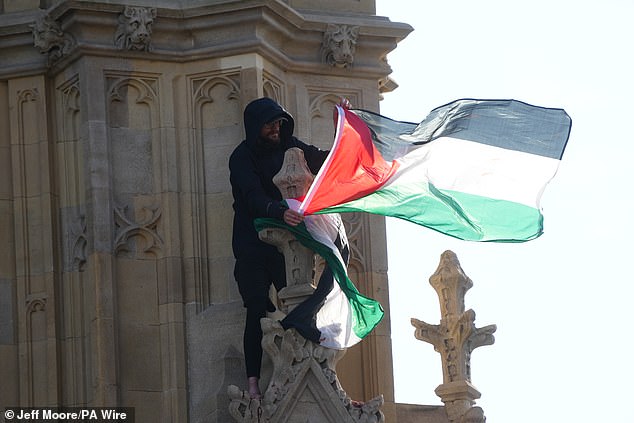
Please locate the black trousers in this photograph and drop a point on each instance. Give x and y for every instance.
(254, 275)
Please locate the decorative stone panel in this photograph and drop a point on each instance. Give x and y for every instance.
(216, 121)
(138, 237)
(303, 387)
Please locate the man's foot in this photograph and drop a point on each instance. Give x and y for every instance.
(356, 404)
(254, 388)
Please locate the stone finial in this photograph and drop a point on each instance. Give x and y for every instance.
(135, 28)
(339, 45)
(293, 180)
(455, 338)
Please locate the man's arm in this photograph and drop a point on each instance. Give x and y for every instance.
(245, 180)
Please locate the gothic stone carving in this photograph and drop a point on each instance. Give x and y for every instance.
(300, 365)
(339, 45)
(146, 230)
(50, 39)
(272, 88)
(294, 178)
(455, 338)
(75, 250)
(135, 28)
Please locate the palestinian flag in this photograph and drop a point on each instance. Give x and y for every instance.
(473, 169)
(336, 315)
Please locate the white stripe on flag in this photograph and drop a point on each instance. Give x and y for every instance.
(301, 208)
(477, 169)
(334, 318)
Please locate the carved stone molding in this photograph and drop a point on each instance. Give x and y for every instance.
(27, 102)
(35, 303)
(208, 93)
(26, 95)
(321, 101)
(133, 103)
(199, 29)
(145, 230)
(76, 248)
(135, 28)
(302, 371)
(273, 88)
(34, 358)
(321, 104)
(147, 88)
(339, 44)
(50, 39)
(203, 89)
(75, 243)
(70, 109)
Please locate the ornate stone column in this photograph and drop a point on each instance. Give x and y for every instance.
(304, 384)
(293, 180)
(455, 338)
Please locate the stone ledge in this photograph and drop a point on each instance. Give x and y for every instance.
(415, 413)
(272, 29)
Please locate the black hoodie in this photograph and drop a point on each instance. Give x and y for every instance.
(252, 166)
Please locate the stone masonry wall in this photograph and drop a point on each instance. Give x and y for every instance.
(116, 123)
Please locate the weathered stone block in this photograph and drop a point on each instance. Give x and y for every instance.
(214, 339)
(7, 312)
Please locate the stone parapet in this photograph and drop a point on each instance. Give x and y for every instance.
(289, 37)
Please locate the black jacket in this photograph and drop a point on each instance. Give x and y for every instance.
(252, 166)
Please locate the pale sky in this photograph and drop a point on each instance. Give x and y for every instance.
(562, 303)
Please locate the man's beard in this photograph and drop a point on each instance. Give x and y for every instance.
(270, 142)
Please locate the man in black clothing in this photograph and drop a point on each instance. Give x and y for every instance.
(254, 162)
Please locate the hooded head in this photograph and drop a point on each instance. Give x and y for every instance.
(262, 111)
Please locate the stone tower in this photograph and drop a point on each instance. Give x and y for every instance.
(116, 122)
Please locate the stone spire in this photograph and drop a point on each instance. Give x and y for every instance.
(455, 338)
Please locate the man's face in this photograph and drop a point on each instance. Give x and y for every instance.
(270, 132)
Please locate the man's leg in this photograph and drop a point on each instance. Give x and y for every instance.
(256, 310)
(254, 278)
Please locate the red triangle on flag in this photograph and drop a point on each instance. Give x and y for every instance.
(354, 168)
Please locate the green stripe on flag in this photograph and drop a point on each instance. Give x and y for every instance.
(366, 312)
(464, 216)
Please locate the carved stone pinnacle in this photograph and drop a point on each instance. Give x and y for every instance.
(293, 180)
(455, 338)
